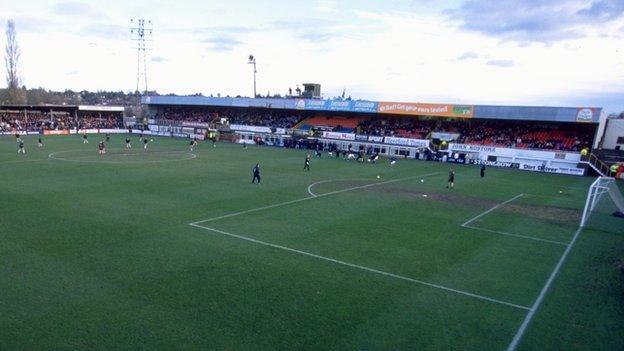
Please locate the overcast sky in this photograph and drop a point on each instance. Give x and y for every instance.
(529, 52)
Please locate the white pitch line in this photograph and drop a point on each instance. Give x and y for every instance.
(329, 181)
(52, 156)
(516, 340)
(372, 270)
(516, 235)
(490, 210)
(310, 197)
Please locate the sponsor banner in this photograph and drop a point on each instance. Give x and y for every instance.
(553, 169)
(445, 136)
(33, 133)
(320, 105)
(361, 138)
(198, 136)
(472, 148)
(337, 105)
(455, 160)
(406, 142)
(300, 104)
(195, 124)
(496, 163)
(56, 132)
(518, 153)
(375, 139)
(88, 131)
(419, 109)
(114, 131)
(586, 114)
(257, 129)
(101, 108)
(364, 106)
(339, 136)
(180, 135)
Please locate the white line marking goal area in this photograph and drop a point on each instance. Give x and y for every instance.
(468, 225)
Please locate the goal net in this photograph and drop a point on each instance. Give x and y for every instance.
(604, 202)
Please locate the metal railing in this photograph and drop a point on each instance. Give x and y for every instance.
(601, 167)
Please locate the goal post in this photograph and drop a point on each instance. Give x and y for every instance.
(600, 187)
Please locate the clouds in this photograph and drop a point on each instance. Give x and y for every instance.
(326, 6)
(501, 63)
(535, 20)
(77, 9)
(105, 31)
(468, 55)
(312, 30)
(603, 10)
(222, 38)
(222, 43)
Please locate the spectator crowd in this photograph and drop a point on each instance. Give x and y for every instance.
(252, 117)
(513, 134)
(35, 121)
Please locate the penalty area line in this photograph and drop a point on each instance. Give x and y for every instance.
(312, 196)
(363, 268)
(491, 209)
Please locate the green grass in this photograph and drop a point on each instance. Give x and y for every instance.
(96, 252)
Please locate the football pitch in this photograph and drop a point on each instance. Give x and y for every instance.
(172, 249)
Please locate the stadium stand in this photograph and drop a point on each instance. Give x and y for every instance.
(34, 121)
(252, 117)
(540, 128)
(494, 133)
(92, 122)
(333, 123)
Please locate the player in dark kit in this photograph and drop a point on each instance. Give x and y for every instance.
(256, 173)
(482, 171)
(39, 142)
(145, 141)
(101, 148)
(107, 138)
(20, 148)
(306, 164)
(84, 139)
(451, 179)
(193, 144)
(128, 144)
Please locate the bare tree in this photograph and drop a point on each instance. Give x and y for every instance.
(11, 60)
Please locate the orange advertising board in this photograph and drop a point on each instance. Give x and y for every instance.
(421, 109)
(56, 132)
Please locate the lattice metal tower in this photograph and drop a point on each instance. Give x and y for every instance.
(141, 31)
